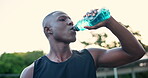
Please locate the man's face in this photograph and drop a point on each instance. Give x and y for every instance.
(61, 27)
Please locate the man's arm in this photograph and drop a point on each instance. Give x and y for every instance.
(130, 51)
(28, 72)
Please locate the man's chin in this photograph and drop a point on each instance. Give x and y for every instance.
(71, 41)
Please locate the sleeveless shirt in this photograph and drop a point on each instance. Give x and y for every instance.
(79, 65)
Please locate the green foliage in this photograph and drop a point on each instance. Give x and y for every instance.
(85, 43)
(125, 76)
(142, 75)
(14, 63)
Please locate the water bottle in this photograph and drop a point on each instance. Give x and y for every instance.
(100, 16)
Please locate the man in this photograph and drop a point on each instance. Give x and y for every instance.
(62, 62)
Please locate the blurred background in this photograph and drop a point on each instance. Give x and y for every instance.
(22, 39)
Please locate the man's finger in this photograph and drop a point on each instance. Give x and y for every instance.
(90, 27)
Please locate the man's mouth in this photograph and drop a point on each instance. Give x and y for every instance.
(72, 30)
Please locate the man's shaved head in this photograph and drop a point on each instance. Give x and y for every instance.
(46, 19)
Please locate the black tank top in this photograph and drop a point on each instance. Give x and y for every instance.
(79, 65)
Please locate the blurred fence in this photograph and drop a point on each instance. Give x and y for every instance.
(132, 68)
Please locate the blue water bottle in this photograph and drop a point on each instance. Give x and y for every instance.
(100, 16)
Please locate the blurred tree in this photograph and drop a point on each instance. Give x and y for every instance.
(14, 63)
(102, 39)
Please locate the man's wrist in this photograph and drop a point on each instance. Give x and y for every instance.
(109, 22)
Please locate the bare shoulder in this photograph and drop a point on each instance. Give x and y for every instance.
(28, 72)
(96, 52)
(96, 49)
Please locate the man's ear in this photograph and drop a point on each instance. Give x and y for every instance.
(48, 30)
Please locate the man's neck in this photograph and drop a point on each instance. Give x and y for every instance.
(59, 51)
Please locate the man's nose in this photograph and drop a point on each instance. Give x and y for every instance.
(70, 23)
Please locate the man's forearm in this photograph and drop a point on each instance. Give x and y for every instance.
(129, 43)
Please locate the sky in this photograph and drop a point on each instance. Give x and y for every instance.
(21, 20)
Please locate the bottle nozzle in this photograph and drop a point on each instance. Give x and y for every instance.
(74, 28)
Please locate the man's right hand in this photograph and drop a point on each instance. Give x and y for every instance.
(101, 24)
